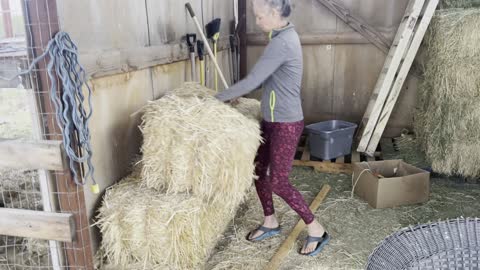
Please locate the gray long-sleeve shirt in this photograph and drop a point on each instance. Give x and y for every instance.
(280, 70)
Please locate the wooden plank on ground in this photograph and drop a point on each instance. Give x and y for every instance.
(386, 78)
(402, 75)
(325, 167)
(37, 224)
(287, 245)
(17, 154)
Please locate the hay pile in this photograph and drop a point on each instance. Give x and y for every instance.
(196, 168)
(447, 120)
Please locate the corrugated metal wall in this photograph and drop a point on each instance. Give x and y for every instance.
(339, 77)
(117, 40)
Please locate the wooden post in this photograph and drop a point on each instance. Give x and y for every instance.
(242, 17)
(7, 18)
(46, 179)
(41, 21)
(287, 245)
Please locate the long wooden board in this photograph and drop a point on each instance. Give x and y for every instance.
(359, 25)
(287, 245)
(402, 76)
(16, 154)
(37, 224)
(325, 167)
(390, 68)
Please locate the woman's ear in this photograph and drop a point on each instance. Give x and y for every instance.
(275, 13)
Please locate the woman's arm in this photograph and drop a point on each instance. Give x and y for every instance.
(272, 58)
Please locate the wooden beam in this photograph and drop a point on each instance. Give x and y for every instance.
(402, 76)
(37, 224)
(287, 245)
(41, 21)
(358, 24)
(29, 155)
(105, 63)
(387, 75)
(316, 39)
(325, 167)
(7, 18)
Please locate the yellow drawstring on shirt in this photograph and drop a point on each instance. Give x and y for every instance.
(272, 104)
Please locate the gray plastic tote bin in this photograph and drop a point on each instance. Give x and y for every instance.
(331, 139)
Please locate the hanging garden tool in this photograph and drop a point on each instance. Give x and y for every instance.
(191, 40)
(201, 53)
(233, 55)
(209, 50)
(213, 33)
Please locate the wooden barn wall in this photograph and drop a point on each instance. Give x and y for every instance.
(117, 40)
(339, 78)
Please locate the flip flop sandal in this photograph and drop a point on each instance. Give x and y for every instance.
(322, 242)
(267, 233)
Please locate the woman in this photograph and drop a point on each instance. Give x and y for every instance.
(280, 70)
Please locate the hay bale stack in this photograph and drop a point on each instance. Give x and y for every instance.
(196, 168)
(447, 121)
(139, 224)
(249, 107)
(195, 144)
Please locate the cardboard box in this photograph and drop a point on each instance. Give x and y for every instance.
(390, 183)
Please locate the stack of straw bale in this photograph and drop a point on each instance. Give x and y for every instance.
(447, 120)
(445, 4)
(196, 168)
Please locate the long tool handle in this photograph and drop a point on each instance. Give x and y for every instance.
(209, 50)
(194, 67)
(202, 72)
(216, 72)
(287, 245)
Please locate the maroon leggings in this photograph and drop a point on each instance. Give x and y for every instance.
(278, 151)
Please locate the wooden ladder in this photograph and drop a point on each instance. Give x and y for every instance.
(387, 75)
(420, 31)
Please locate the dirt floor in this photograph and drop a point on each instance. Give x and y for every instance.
(355, 227)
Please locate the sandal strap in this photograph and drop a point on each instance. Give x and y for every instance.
(311, 239)
(266, 230)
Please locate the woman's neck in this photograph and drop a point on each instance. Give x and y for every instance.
(281, 25)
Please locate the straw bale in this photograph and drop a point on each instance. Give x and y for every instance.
(447, 120)
(142, 226)
(195, 144)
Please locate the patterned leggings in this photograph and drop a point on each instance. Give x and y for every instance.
(278, 151)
